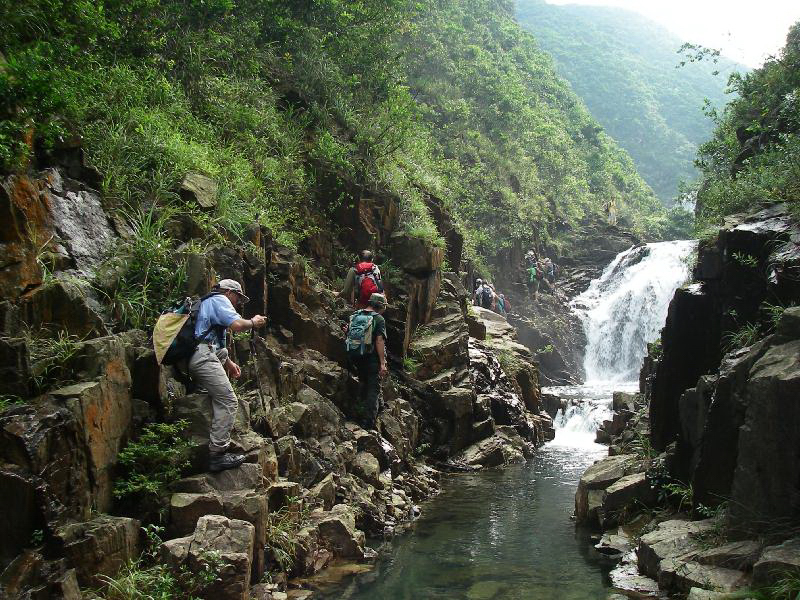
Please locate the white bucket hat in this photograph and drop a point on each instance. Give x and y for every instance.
(233, 286)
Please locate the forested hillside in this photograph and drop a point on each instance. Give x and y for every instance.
(292, 105)
(623, 66)
(528, 155)
(753, 158)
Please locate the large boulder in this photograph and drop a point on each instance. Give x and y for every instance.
(415, 255)
(598, 477)
(503, 448)
(672, 539)
(232, 542)
(337, 531)
(400, 425)
(624, 496)
(740, 555)
(30, 575)
(199, 189)
(321, 416)
(325, 492)
(777, 562)
(297, 462)
(683, 575)
(65, 304)
(52, 220)
(99, 547)
(45, 475)
(367, 467)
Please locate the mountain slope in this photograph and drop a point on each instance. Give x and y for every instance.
(530, 159)
(624, 67)
(296, 108)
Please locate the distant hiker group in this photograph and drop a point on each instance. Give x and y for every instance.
(485, 296)
(541, 273)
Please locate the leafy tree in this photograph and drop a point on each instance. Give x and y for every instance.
(753, 157)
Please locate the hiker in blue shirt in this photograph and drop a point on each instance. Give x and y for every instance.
(211, 368)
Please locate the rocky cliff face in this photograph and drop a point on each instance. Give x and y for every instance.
(457, 401)
(547, 325)
(729, 360)
(719, 400)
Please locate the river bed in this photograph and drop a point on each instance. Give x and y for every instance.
(506, 534)
(501, 533)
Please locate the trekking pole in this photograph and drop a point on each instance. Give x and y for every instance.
(254, 354)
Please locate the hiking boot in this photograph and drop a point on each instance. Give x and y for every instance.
(220, 461)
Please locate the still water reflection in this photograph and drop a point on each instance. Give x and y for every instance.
(498, 534)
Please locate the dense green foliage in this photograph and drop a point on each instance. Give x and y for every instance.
(291, 105)
(753, 157)
(624, 67)
(152, 462)
(526, 156)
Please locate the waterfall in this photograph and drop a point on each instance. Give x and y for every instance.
(626, 307)
(622, 311)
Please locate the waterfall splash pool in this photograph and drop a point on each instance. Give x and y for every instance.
(507, 534)
(496, 534)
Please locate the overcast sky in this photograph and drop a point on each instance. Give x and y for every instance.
(747, 31)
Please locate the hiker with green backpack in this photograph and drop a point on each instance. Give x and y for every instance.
(193, 337)
(366, 350)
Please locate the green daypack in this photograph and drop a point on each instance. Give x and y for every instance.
(359, 333)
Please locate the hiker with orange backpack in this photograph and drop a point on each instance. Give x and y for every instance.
(362, 281)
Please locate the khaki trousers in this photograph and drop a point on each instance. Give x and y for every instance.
(206, 370)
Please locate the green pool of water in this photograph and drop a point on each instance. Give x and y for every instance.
(498, 534)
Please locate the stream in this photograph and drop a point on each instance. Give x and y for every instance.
(507, 533)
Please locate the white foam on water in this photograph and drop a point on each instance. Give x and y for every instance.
(621, 311)
(625, 308)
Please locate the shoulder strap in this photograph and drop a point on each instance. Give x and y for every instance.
(210, 327)
(210, 294)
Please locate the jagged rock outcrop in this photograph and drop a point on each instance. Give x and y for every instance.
(677, 557)
(731, 415)
(608, 488)
(755, 258)
(314, 482)
(553, 333)
(231, 540)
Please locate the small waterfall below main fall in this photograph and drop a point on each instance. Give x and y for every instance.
(622, 311)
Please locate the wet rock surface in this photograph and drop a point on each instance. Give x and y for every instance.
(314, 483)
(716, 402)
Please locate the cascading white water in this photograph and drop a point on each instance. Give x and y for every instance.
(626, 307)
(622, 311)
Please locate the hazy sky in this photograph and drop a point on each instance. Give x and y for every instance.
(745, 30)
